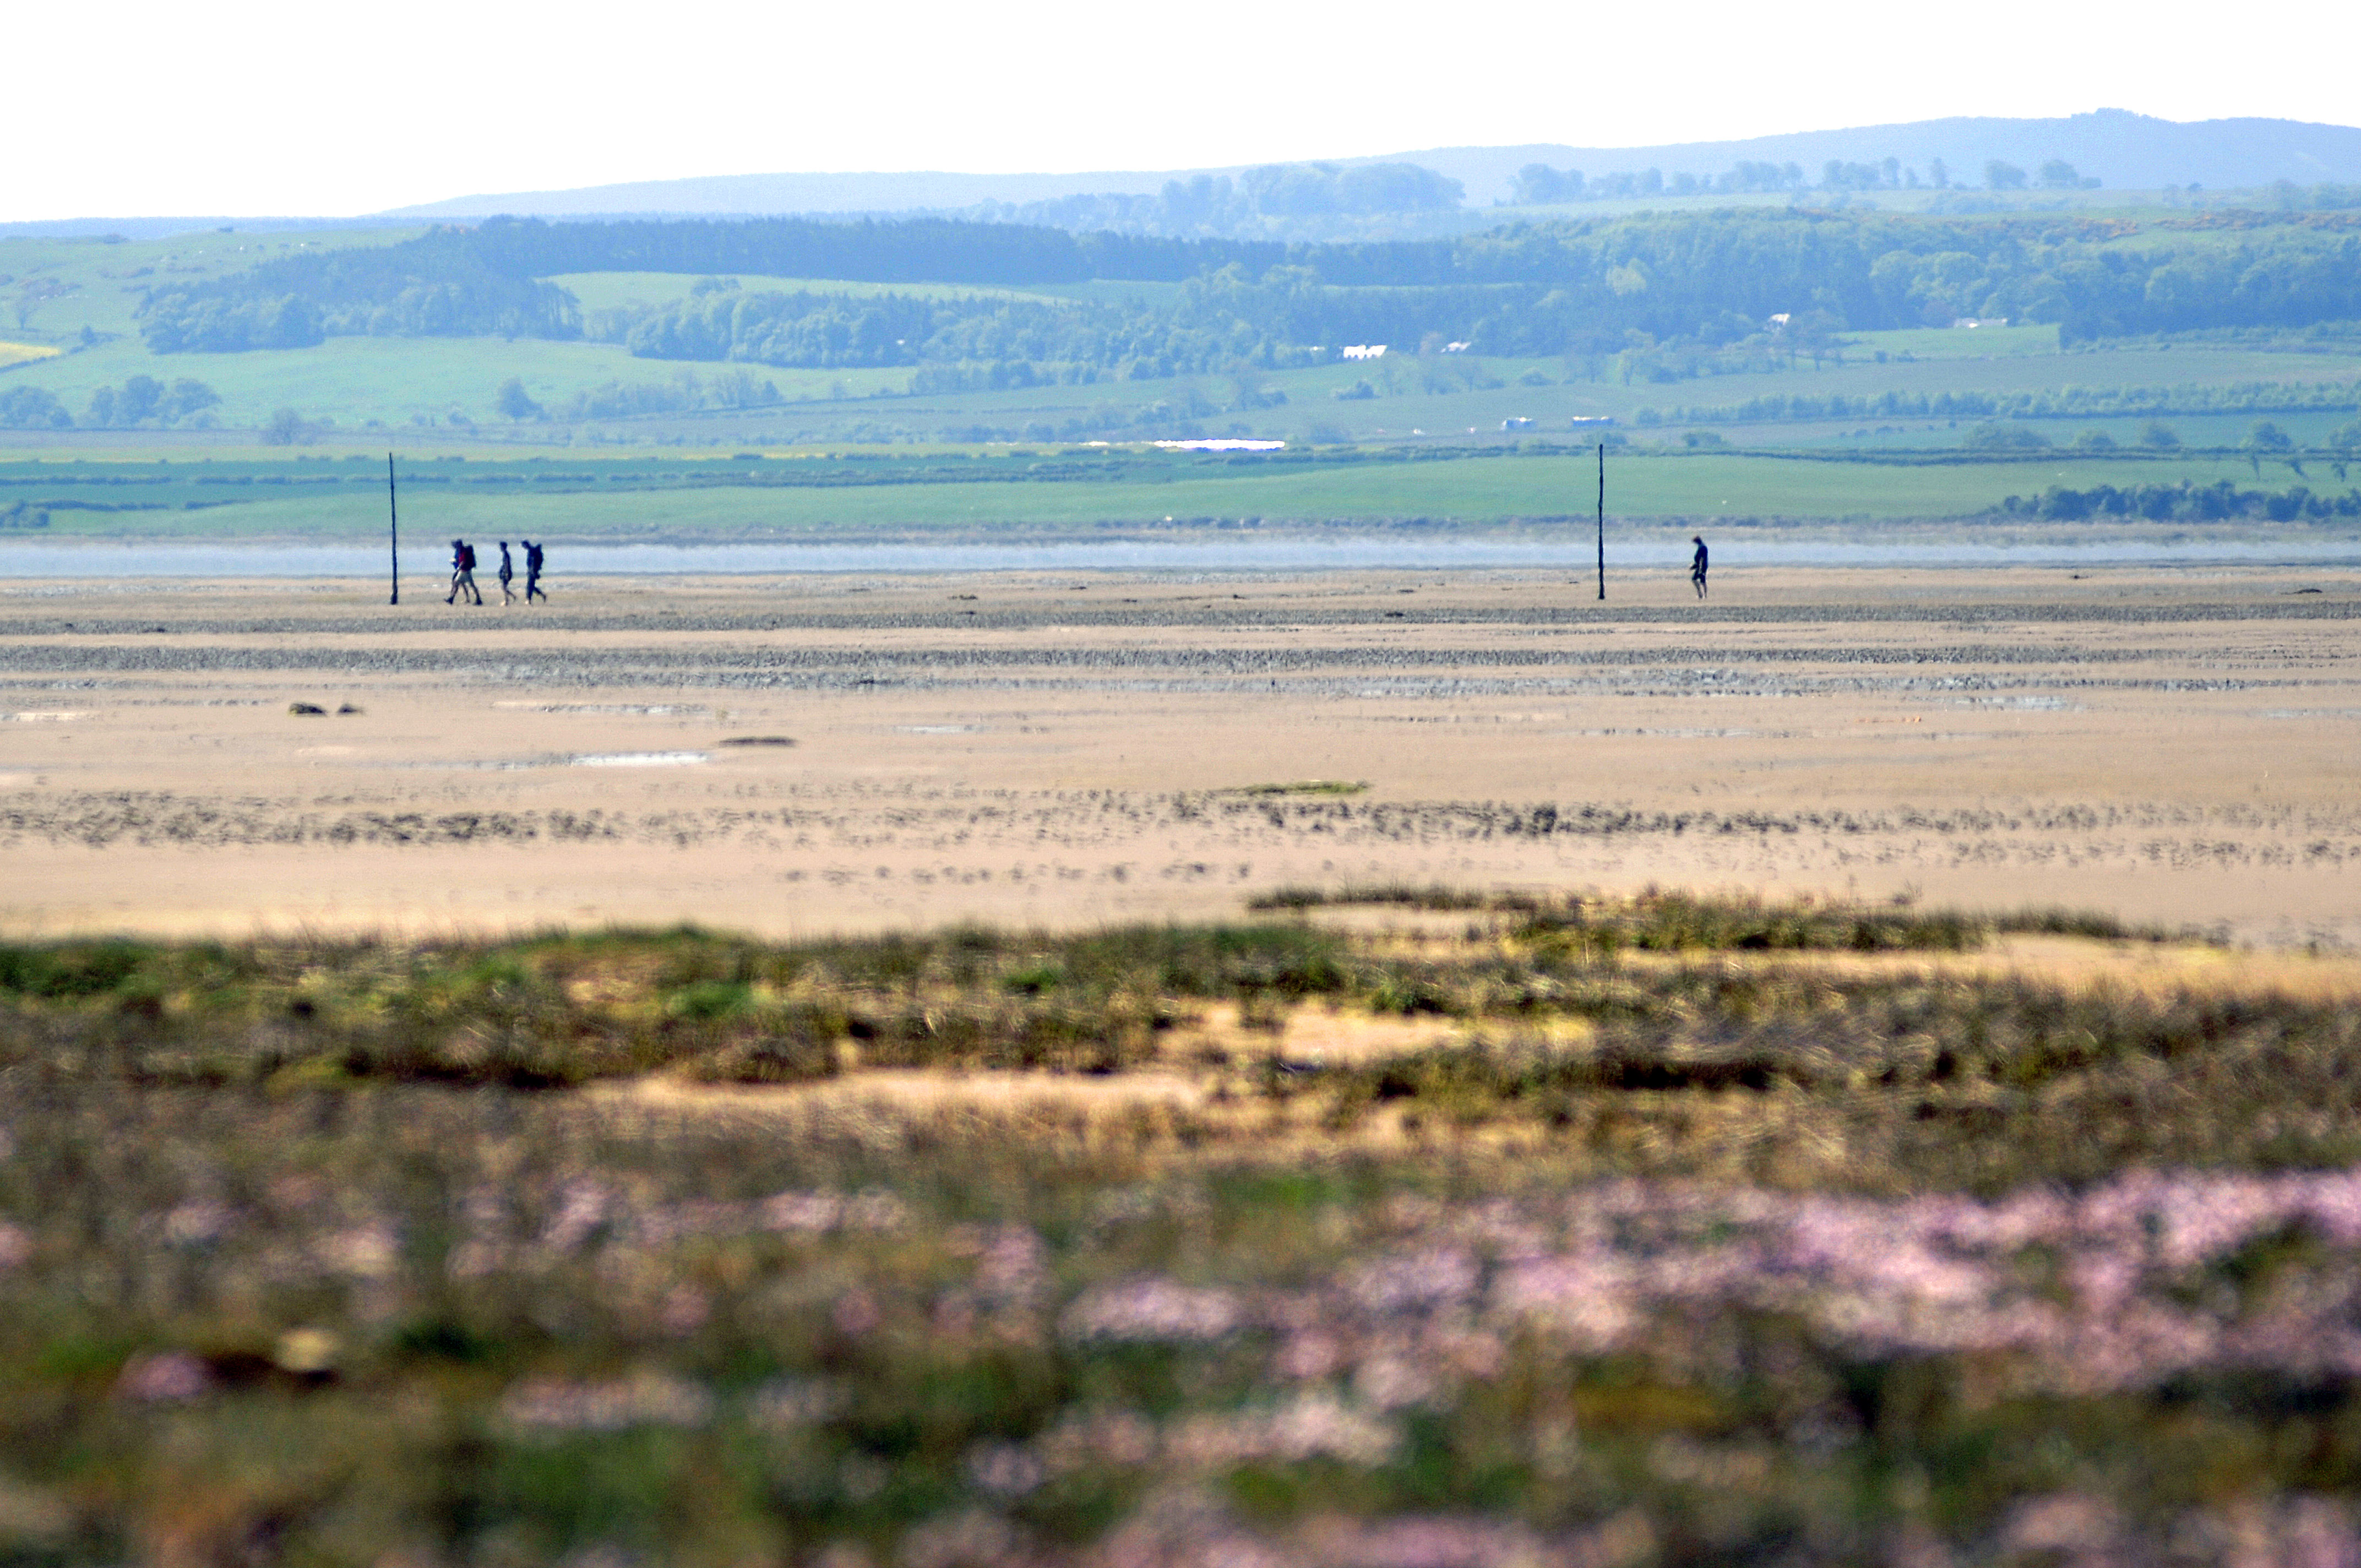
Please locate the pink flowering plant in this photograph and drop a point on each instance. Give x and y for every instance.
(1652, 1255)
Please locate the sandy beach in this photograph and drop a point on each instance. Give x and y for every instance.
(795, 756)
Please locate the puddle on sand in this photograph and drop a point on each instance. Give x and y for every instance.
(636, 759)
(580, 760)
(658, 708)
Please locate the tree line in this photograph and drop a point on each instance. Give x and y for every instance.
(1538, 184)
(735, 389)
(140, 400)
(1275, 199)
(2184, 502)
(2066, 402)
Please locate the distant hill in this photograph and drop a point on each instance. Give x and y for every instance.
(720, 194)
(2122, 149)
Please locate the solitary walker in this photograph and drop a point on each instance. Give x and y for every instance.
(1697, 565)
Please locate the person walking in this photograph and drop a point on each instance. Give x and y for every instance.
(463, 573)
(508, 595)
(1697, 565)
(532, 571)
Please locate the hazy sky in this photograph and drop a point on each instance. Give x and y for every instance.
(135, 107)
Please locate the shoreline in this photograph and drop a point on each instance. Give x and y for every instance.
(1736, 548)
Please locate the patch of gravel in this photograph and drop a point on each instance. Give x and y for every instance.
(1225, 612)
(2160, 834)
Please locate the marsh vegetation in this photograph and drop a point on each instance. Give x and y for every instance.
(1389, 1226)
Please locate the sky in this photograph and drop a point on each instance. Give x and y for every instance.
(250, 109)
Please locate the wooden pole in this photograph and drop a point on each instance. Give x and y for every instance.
(1602, 521)
(393, 530)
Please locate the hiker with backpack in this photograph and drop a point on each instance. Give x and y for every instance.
(532, 571)
(463, 572)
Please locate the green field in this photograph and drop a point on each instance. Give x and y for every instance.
(396, 381)
(400, 381)
(326, 497)
(102, 280)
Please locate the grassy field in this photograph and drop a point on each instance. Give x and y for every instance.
(392, 382)
(574, 495)
(1613, 1234)
(1955, 342)
(99, 282)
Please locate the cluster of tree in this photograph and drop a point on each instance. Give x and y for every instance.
(33, 408)
(23, 514)
(2263, 440)
(445, 283)
(2290, 197)
(1275, 198)
(1074, 340)
(2065, 402)
(734, 388)
(2185, 502)
(1538, 184)
(288, 427)
(140, 400)
(997, 375)
(144, 400)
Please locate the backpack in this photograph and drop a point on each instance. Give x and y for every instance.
(466, 557)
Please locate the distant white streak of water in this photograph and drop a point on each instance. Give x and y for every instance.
(1652, 552)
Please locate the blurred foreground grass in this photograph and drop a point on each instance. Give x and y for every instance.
(1486, 1231)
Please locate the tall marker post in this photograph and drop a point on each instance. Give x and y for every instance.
(1602, 520)
(393, 531)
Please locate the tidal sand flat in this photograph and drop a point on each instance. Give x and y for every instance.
(2164, 745)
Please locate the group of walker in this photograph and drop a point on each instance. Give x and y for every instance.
(463, 573)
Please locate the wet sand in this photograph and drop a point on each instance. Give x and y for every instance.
(2173, 746)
